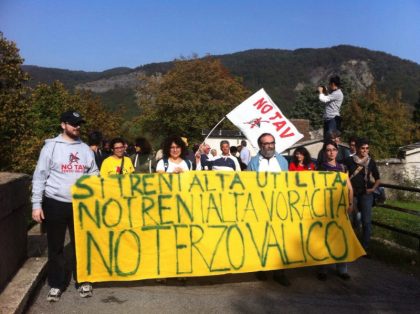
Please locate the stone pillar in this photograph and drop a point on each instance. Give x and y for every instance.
(14, 210)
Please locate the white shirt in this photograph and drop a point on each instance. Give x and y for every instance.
(171, 166)
(269, 165)
(245, 155)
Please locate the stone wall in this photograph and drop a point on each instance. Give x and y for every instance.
(399, 172)
(14, 208)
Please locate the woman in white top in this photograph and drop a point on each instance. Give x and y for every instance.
(174, 161)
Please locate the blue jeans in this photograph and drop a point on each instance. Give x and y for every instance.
(364, 203)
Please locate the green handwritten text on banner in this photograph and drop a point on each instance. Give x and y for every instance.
(205, 223)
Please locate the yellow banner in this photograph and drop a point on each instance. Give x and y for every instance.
(143, 226)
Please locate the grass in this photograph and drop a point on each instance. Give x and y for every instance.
(400, 220)
(405, 204)
(392, 247)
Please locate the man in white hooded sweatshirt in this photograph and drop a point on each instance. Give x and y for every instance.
(62, 161)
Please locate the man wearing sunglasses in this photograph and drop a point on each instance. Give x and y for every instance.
(62, 161)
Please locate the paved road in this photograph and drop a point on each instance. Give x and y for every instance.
(373, 288)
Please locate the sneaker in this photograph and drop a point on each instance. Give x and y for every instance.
(344, 276)
(262, 276)
(282, 279)
(321, 276)
(161, 281)
(85, 290)
(54, 295)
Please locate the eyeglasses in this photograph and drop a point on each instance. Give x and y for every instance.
(268, 144)
(74, 125)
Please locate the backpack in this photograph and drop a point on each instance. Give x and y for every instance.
(166, 163)
(379, 196)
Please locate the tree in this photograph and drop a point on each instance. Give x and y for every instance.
(194, 95)
(385, 122)
(307, 106)
(416, 119)
(49, 101)
(13, 102)
(416, 112)
(47, 104)
(97, 118)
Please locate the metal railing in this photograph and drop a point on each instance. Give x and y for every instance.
(403, 210)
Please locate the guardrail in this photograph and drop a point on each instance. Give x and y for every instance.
(399, 187)
(396, 208)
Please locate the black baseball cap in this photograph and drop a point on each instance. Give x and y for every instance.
(72, 117)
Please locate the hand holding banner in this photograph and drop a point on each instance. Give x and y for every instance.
(259, 114)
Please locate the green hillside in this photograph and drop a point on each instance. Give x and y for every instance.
(280, 72)
(68, 77)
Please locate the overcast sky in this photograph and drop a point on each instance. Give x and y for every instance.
(95, 35)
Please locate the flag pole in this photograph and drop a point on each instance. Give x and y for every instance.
(213, 129)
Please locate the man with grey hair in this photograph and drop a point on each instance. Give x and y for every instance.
(269, 160)
(205, 154)
(226, 161)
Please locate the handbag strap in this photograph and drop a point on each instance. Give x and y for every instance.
(122, 165)
(356, 172)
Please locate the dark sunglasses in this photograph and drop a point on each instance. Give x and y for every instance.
(74, 125)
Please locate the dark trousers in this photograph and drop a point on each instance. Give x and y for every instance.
(58, 217)
(332, 125)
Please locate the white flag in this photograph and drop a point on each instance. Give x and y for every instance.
(259, 114)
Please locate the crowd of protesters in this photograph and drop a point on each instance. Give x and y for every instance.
(55, 174)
